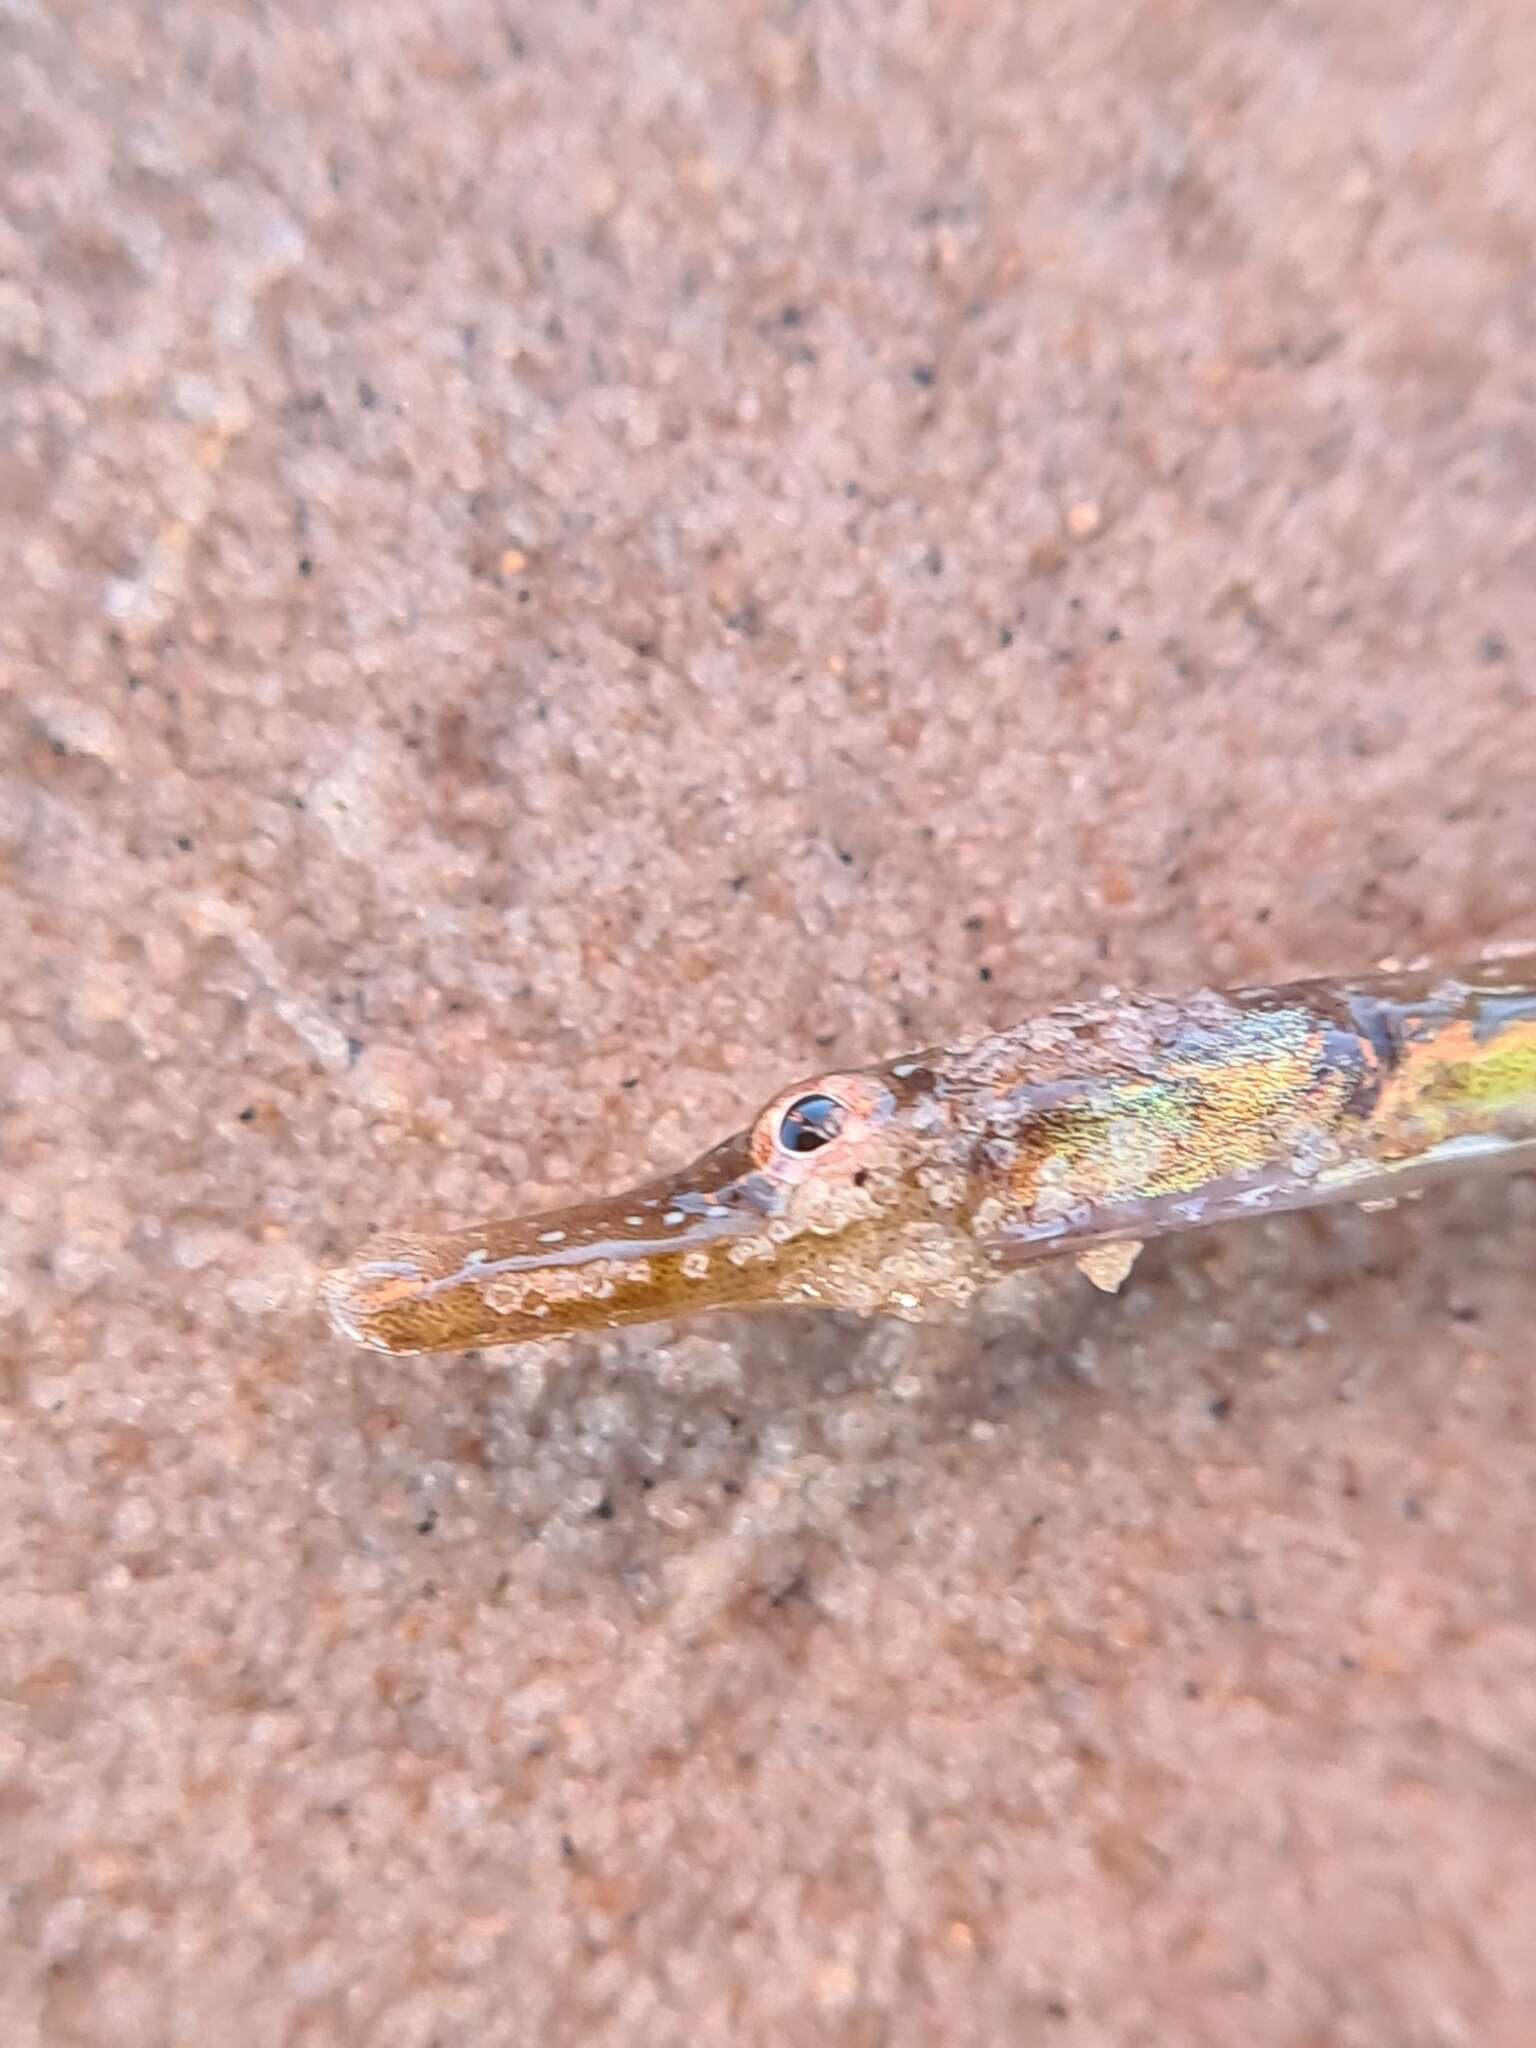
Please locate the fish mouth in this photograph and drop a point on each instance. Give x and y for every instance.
(659, 1249)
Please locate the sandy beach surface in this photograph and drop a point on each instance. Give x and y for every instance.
(561, 565)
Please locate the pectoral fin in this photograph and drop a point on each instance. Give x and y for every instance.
(1107, 1265)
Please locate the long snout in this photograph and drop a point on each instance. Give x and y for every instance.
(690, 1241)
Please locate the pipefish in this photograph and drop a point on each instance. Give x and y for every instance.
(1079, 1134)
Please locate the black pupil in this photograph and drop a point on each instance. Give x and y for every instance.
(810, 1123)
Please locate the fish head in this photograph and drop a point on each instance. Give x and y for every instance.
(844, 1192)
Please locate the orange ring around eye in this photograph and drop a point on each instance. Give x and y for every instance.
(858, 1101)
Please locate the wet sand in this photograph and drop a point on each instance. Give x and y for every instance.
(558, 568)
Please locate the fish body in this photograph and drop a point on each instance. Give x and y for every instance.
(1079, 1133)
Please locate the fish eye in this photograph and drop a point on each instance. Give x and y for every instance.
(810, 1122)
